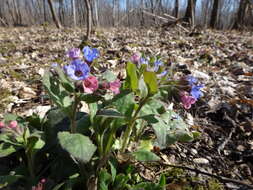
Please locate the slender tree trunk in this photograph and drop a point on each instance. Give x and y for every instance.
(241, 14)
(89, 18)
(56, 20)
(176, 11)
(190, 12)
(142, 14)
(214, 14)
(73, 4)
(96, 12)
(44, 11)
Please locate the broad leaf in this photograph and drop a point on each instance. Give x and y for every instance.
(7, 149)
(145, 156)
(151, 82)
(132, 78)
(77, 145)
(8, 180)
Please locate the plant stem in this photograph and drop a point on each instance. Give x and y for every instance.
(30, 163)
(73, 116)
(129, 129)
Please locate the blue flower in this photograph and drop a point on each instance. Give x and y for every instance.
(157, 64)
(144, 61)
(195, 91)
(90, 54)
(192, 80)
(162, 74)
(77, 70)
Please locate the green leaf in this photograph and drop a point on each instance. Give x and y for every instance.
(124, 104)
(55, 90)
(162, 181)
(69, 86)
(93, 107)
(145, 156)
(109, 76)
(110, 113)
(113, 170)
(151, 82)
(132, 78)
(58, 186)
(104, 179)
(89, 98)
(160, 129)
(8, 180)
(77, 145)
(7, 149)
(34, 143)
(143, 88)
(10, 117)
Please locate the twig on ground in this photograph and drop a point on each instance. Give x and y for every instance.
(221, 178)
(223, 144)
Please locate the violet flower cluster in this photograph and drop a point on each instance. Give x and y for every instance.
(12, 128)
(139, 60)
(188, 99)
(80, 70)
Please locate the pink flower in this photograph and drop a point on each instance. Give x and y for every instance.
(114, 86)
(40, 185)
(90, 84)
(2, 125)
(13, 124)
(187, 100)
(136, 57)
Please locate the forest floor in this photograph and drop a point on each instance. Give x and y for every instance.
(223, 61)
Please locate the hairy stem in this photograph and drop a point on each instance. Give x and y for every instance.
(131, 124)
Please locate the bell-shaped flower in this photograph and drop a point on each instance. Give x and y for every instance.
(114, 86)
(90, 54)
(74, 53)
(90, 84)
(187, 100)
(77, 70)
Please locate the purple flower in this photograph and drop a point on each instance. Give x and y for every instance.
(157, 64)
(144, 61)
(77, 70)
(187, 100)
(90, 54)
(74, 53)
(162, 74)
(136, 57)
(195, 91)
(192, 80)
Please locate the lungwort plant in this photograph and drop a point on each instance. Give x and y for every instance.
(119, 112)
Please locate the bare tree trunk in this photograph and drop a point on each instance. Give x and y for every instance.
(241, 14)
(44, 10)
(96, 12)
(142, 14)
(56, 20)
(89, 18)
(190, 12)
(114, 13)
(73, 4)
(214, 15)
(176, 11)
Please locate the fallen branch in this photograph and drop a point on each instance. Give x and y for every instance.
(221, 178)
(151, 14)
(224, 143)
(123, 18)
(3, 22)
(175, 19)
